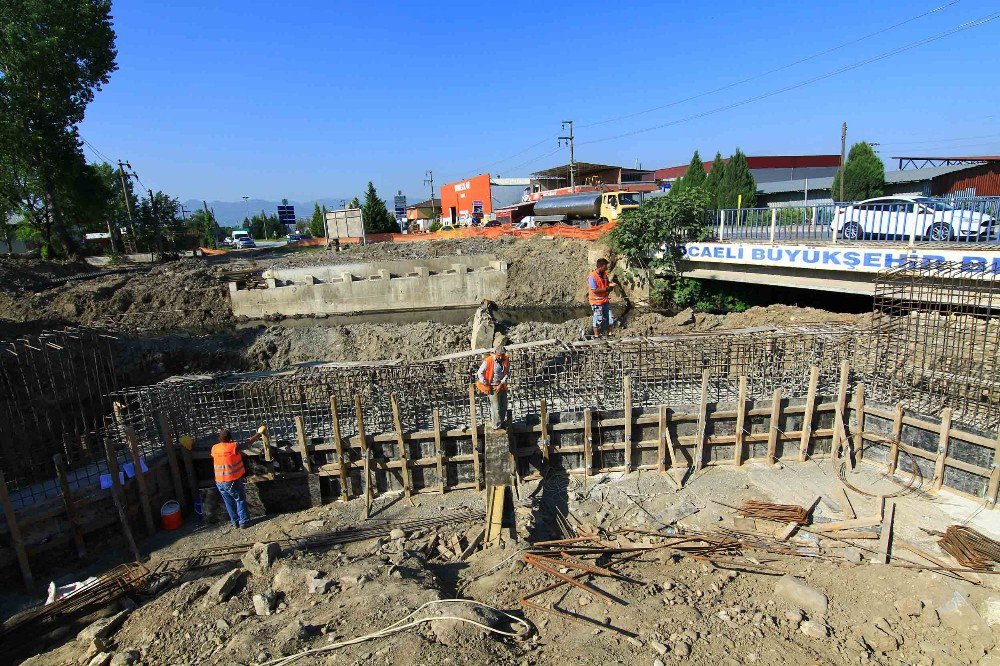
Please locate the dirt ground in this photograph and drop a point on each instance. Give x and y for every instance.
(668, 608)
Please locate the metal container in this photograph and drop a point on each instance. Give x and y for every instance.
(579, 205)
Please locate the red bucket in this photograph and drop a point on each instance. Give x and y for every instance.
(170, 515)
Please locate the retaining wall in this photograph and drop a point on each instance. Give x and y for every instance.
(426, 284)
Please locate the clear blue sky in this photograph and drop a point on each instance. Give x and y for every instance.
(314, 98)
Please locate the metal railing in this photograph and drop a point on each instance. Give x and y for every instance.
(969, 220)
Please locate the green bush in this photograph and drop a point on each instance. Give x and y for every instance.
(434, 226)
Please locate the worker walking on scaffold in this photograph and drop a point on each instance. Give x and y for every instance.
(492, 379)
(229, 473)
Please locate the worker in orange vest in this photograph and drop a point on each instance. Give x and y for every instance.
(229, 472)
(599, 287)
(492, 379)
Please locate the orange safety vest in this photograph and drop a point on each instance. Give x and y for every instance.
(228, 462)
(488, 374)
(599, 296)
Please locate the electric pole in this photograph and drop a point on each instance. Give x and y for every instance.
(843, 156)
(572, 161)
(128, 202)
(247, 206)
(430, 180)
(155, 208)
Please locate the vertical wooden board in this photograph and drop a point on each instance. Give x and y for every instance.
(192, 479)
(338, 444)
(943, 441)
(300, 437)
(807, 418)
(627, 389)
(772, 433)
(140, 479)
(588, 443)
(16, 540)
(439, 451)
(661, 439)
(994, 486)
(699, 455)
(897, 432)
(885, 537)
(741, 413)
(841, 409)
(169, 446)
(359, 414)
(545, 441)
(859, 415)
(70, 505)
(404, 458)
(118, 497)
(474, 426)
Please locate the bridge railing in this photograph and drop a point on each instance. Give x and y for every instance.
(909, 221)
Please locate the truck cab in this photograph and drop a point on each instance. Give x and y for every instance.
(613, 204)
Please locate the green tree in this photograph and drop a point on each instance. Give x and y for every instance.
(54, 55)
(157, 225)
(865, 175)
(713, 179)
(204, 224)
(317, 224)
(737, 187)
(375, 214)
(355, 203)
(694, 176)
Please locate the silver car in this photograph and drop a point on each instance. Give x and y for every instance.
(913, 217)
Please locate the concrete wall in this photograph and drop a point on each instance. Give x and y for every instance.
(443, 282)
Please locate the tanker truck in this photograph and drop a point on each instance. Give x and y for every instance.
(584, 208)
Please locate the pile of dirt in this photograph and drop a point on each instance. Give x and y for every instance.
(21, 273)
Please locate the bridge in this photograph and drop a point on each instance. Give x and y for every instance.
(841, 247)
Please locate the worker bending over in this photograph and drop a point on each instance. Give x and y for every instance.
(492, 379)
(229, 473)
(599, 294)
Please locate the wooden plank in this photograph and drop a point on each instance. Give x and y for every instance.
(16, 540)
(170, 447)
(675, 461)
(365, 454)
(741, 410)
(786, 531)
(941, 563)
(851, 524)
(544, 441)
(699, 455)
(807, 417)
(140, 479)
(439, 451)
(897, 431)
(496, 497)
(265, 443)
(401, 447)
(300, 438)
(588, 443)
(859, 415)
(885, 536)
(944, 440)
(994, 486)
(119, 497)
(627, 390)
(67, 498)
(841, 409)
(189, 473)
(474, 427)
(661, 440)
(772, 433)
(846, 508)
(338, 443)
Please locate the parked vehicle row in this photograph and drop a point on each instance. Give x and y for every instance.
(907, 217)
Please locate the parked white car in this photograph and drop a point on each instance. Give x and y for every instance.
(906, 216)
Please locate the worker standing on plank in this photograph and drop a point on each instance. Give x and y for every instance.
(492, 379)
(229, 473)
(599, 287)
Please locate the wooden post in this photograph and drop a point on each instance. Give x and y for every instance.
(300, 436)
(265, 443)
(169, 445)
(772, 433)
(741, 415)
(699, 454)
(897, 432)
(669, 441)
(994, 487)
(859, 415)
(588, 444)
(404, 458)
(67, 497)
(338, 444)
(661, 439)
(140, 479)
(840, 410)
(627, 391)
(543, 417)
(189, 471)
(944, 440)
(807, 416)
(439, 450)
(885, 536)
(365, 454)
(474, 426)
(15, 535)
(118, 497)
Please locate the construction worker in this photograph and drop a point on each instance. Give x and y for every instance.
(492, 379)
(229, 472)
(599, 294)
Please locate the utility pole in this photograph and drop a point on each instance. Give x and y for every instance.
(155, 207)
(430, 180)
(572, 160)
(128, 202)
(247, 205)
(843, 158)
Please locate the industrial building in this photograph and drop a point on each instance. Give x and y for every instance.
(767, 168)
(475, 199)
(606, 176)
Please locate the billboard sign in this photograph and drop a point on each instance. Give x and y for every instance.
(286, 215)
(399, 206)
(346, 223)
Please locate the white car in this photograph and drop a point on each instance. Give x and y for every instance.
(910, 216)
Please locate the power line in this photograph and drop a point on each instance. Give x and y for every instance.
(801, 84)
(773, 71)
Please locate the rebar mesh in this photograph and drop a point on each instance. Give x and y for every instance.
(936, 339)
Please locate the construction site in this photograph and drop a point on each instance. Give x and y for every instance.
(784, 485)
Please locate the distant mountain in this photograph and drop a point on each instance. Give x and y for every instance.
(231, 213)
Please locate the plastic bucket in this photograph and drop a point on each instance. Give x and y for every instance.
(170, 515)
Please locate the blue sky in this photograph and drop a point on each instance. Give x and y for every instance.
(217, 100)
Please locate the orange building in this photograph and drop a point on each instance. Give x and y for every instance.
(466, 199)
